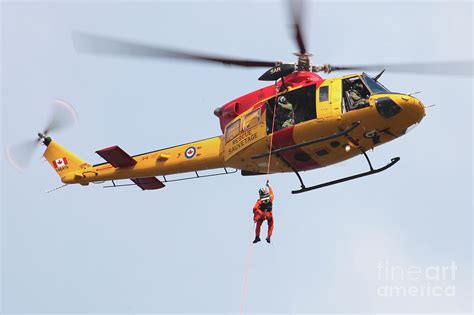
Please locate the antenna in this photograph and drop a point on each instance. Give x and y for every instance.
(57, 188)
(378, 75)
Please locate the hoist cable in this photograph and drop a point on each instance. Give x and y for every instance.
(248, 262)
(250, 250)
(273, 128)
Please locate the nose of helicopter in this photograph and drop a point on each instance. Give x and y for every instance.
(410, 107)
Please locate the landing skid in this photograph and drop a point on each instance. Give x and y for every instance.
(345, 179)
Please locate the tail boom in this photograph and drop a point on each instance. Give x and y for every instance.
(195, 156)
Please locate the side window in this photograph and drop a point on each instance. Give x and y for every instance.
(324, 93)
(232, 130)
(252, 119)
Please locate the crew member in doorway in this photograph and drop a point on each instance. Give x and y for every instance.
(286, 111)
(263, 211)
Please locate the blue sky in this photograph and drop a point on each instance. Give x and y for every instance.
(185, 248)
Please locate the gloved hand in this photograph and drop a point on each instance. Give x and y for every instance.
(268, 183)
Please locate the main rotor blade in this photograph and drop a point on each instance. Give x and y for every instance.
(296, 8)
(461, 68)
(63, 116)
(102, 45)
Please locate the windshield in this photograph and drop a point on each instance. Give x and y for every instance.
(374, 86)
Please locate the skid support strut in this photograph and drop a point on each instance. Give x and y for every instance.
(345, 179)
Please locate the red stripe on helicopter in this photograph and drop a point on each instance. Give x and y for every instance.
(234, 108)
(299, 159)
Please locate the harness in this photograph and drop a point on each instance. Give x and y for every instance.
(266, 207)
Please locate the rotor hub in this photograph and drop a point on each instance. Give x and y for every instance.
(304, 61)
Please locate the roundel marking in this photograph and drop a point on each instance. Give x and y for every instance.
(190, 152)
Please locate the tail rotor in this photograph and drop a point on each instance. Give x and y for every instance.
(63, 116)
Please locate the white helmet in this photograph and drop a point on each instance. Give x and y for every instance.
(264, 193)
(282, 100)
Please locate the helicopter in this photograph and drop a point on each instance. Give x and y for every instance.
(298, 123)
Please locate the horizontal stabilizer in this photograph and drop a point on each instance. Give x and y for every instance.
(116, 156)
(148, 183)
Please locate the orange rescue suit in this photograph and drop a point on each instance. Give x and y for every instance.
(263, 211)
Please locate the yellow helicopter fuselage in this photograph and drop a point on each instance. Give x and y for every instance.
(253, 129)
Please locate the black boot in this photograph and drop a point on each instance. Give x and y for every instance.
(257, 239)
(268, 239)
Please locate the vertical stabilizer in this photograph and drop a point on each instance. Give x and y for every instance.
(60, 159)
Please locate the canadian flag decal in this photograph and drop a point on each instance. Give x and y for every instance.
(60, 162)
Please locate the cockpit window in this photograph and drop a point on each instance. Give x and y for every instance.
(356, 94)
(374, 86)
(357, 91)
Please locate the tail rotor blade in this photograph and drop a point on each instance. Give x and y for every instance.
(19, 155)
(64, 115)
